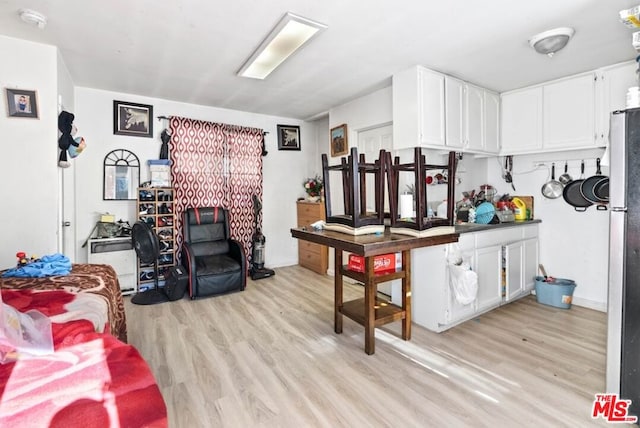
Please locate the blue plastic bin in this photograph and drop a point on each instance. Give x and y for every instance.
(558, 293)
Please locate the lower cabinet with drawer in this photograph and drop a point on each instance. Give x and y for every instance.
(505, 260)
(311, 256)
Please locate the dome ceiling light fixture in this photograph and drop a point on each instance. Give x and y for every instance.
(550, 42)
(32, 17)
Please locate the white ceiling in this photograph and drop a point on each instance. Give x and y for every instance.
(190, 51)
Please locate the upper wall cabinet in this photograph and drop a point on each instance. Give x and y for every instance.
(418, 109)
(456, 112)
(551, 117)
(569, 113)
(611, 94)
(491, 122)
(436, 111)
(566, 114)
(521, 121)
(474, 118)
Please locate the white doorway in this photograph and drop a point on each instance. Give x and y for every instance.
(370, 142)
(66, 206)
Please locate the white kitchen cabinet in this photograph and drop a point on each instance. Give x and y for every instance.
(520, 267)
(513, 270)
(456, 112)
(611, 95)
(530, 261)
(475, 118)
(434, 305)
(418, 108)
(436, 111)
(488, 267)
(491, 122)
(521, 121)
(569, 113)
(472, 117)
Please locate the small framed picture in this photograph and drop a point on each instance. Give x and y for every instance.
(22, 103)
(288, 137)
(132, 119)
(339, 143)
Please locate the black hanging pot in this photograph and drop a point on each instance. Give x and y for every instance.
(588, 188)
(601, 189)
(572, 194)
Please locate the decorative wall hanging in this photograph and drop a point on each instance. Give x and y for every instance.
(132, 119)
(288, 137)
(121, 175)
(22, 103)
(68, 143)
(339, 143)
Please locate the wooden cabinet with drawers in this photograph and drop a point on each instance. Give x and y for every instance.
(311, 256)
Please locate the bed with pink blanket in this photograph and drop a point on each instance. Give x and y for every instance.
(93, 378)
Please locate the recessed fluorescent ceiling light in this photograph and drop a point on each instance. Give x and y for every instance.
(287, 36)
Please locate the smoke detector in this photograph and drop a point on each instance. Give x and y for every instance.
(32, 17)
(550, 42)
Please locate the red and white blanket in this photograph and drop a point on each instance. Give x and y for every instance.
(92, 379)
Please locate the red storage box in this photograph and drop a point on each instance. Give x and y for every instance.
(383, 263)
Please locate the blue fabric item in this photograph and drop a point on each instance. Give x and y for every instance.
(54, 264)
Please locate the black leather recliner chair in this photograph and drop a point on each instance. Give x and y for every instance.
(215, 263)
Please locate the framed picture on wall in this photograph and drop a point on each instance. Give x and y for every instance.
(339, 143)
(22, 103)
(288, 137)
(132, 119)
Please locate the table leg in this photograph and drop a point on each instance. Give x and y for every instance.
(406, 295)
(369, 308)
(337, 282)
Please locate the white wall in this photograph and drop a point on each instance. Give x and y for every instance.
(283, 171)
(29, 218)
(573, 244)
(363, 113)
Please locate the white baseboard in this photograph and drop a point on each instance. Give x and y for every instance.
(591, 304)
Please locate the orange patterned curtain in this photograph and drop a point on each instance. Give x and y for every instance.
(214, 164)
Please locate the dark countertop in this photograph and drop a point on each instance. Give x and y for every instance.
(371, 244)
(475, 227)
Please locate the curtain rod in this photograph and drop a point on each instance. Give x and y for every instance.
(169, 117)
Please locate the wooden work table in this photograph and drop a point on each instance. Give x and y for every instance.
(370, 311)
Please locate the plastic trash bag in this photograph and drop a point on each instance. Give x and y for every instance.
(463, 281)
(23, 334)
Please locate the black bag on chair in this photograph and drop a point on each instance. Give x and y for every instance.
(176, 280)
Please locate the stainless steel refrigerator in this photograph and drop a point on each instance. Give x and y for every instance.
(623, 307)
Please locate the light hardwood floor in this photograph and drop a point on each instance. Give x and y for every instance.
(268, 357)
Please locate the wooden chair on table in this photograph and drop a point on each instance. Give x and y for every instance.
(419, 168)
(354, 172)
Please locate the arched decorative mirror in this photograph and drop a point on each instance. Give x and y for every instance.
(121, 175)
